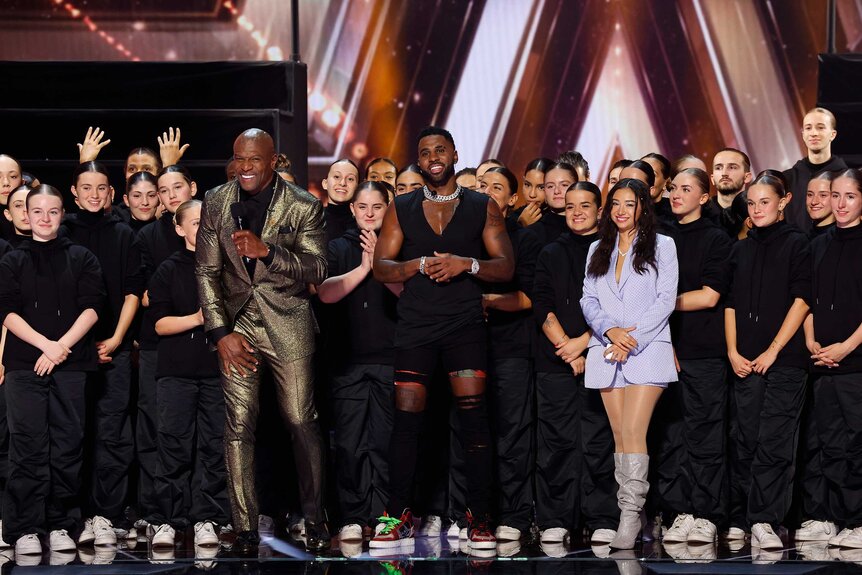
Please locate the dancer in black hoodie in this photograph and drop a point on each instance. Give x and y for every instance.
(10, 180)
(771, 283)
(696, 489)
(834, 331)
(49, 300)
(140, 201)
(16, 214)
(158, 241)
(552, 223)
(818, 203)
(339, 185)
(574, 459)
(362, 377)
(191, 479)
(533, 194)
(116, 248)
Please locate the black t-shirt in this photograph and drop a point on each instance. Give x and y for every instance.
(427, 310)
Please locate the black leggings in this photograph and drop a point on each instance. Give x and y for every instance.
(464, 358)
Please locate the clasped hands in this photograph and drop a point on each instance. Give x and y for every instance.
(53, 354)
(829, 356)
(622, 344)
(443, 267)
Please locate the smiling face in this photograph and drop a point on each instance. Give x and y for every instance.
(437, 159)
(557, 181)
(497, 186)
(45, 213)
(582, 212)
(142, 200)
(10, 177)
(764, 205)
(174, 190)
(92, 191)
(341, 182)
(625, 210)
(368, 207)
(254, 159)
(686, 198)
(846, 202)
(818, 200)
(407, 182)
(817, 131)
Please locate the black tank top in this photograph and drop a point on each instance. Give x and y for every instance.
(428, 311)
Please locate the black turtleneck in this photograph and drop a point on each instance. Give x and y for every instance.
(339, 219)
(703, 252)
(174, 292)
(49, 284)
(769, 269)
(550, 227)
(116, 247)
(558, 287)
(837, 292)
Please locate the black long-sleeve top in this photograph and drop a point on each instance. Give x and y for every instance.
(364, 320)
(558, 287)
(797, 183)
(549, 227)
(339, 219)
(50, 284)
(837, 292)
(116, 247)
(703, 251)
(158, 241)
(174, 292)
(769, 270)
(510, 334)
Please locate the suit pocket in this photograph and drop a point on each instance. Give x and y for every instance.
(286, 239)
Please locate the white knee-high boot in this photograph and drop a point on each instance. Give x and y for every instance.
(631, 497)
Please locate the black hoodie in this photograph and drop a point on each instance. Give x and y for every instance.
(158, 241)
(5, 248)
(703, 251)
(362, 328)
(174, 292)
(339, 219)
(797, 183)
(549, 227)
(769, 269)
(116, 247)
(49, 284)
(558, 287)
(837, 292)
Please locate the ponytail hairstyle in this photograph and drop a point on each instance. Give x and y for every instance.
(643, 247)
(508, 175)
(772, 178)
(700, 176)
(854, 174)
(647, 169)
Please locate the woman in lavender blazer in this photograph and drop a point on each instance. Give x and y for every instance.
(629, 293)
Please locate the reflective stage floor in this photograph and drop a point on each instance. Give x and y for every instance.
(445, 556)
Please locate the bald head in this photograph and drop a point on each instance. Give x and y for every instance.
(254, 159)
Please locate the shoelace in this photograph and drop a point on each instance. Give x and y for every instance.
(678, 521)
(389, 523)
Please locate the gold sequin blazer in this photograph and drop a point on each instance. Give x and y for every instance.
(294, 228)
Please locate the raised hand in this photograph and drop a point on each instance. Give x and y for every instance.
(170, 150)
(93, 144)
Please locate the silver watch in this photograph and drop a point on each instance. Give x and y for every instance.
(474, 266)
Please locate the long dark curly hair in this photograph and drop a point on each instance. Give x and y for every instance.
(644, 244)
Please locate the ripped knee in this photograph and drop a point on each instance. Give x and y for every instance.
(467, 374)
(410, 391)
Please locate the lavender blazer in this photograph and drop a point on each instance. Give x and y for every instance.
(641, 300)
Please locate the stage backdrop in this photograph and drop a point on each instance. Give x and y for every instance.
(512, 79)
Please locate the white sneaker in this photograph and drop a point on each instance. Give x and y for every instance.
(87, 535)
(853, 540)
(603, 536)
(555, 549)
(453, 531)
(431, 526)
(205, 534)
(838, 539)
(506, 533)
(678, 532)
(3, 544)
(164, 536)
(59, 540)
(351, 533)
(763, 537)
(265, 525)
(28, 545)
(463, 535)
(735, 534)
(815, 531)
(103, 531)
(813, 551)
(703, 531)
(554, 535)
(508, 548)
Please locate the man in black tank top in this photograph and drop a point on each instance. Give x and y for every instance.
(432, 242)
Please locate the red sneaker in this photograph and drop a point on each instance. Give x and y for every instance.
(480, 533)
(392, 532)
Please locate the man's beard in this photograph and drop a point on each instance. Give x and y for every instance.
(729, 191)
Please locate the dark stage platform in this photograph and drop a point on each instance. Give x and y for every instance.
(440, 555)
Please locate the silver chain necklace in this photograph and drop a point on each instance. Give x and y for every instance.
(442, 199)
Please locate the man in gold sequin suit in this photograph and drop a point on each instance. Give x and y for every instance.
(260, 243)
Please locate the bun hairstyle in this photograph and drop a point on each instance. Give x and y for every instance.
(772, 178)
(700, 176)
(854, 174)
(180, 214)
(643, 247)
(646, 168)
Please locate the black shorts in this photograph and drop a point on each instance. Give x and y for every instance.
(463, 350)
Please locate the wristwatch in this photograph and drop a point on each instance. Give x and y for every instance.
(474, 266)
